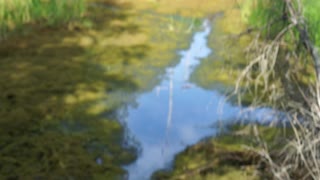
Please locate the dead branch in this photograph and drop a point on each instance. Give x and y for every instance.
(301, 155)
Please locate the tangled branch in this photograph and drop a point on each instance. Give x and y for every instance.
(300, 157)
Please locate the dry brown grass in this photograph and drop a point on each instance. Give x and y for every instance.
(274, 77)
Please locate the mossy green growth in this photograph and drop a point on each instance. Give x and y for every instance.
(227, 156)
(61, 89)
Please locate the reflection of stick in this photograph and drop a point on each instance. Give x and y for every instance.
(169, 119)
(191, 26)
(186, 72)
(170, 108)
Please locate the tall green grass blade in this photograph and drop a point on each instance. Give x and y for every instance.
(15, 13)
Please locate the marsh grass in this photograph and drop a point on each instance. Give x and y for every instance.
(281, 74)
(15, 13)
(313, 19)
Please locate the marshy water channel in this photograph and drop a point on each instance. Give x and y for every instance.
(178, 113)
(64, 90)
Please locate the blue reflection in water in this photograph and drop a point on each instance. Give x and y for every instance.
(177, 113)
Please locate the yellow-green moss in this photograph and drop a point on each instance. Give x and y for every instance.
(227, 60)
(227, 156)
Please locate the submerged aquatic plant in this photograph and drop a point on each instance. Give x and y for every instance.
(15, 13)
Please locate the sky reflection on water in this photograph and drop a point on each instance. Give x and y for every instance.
(177, 113)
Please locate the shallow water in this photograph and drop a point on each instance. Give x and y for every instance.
(165, 120)
(70, 99)
(178, 113)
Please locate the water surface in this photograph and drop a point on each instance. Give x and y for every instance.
(178, 113)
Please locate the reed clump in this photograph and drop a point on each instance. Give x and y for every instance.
(15, 13)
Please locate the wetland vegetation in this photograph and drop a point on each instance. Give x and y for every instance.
(68, 67)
